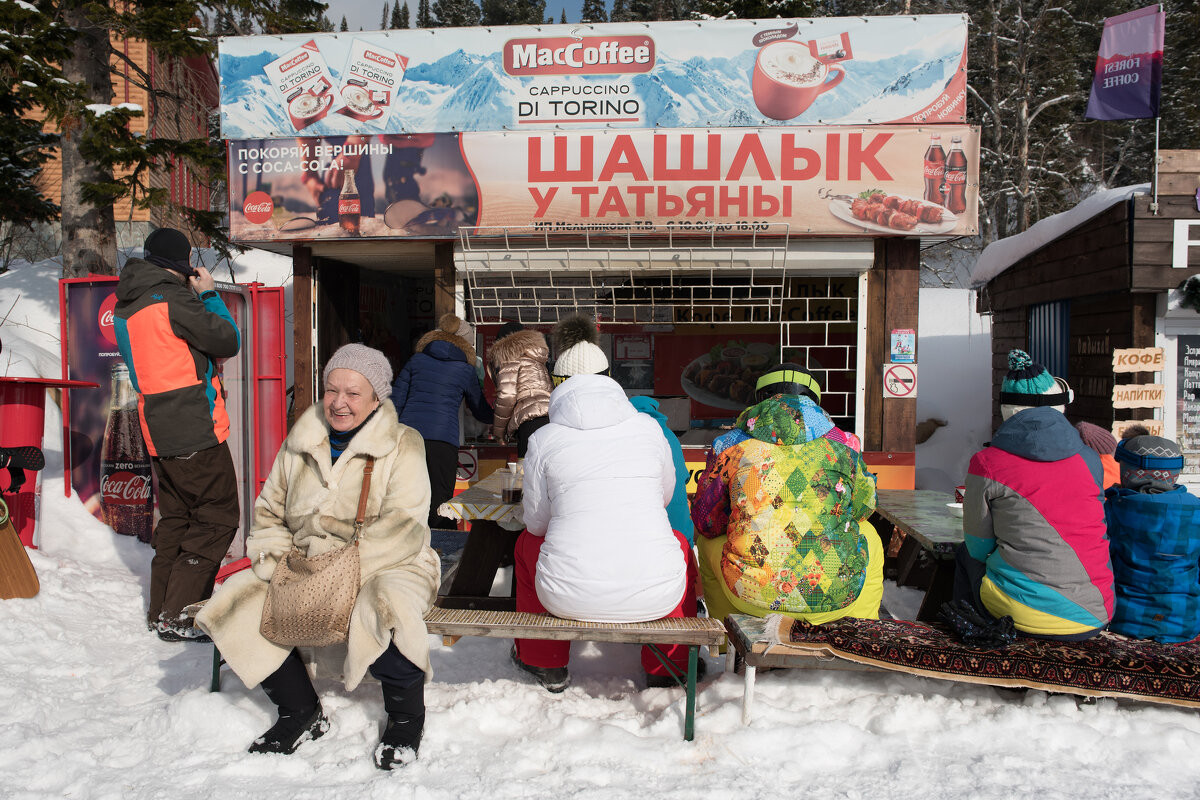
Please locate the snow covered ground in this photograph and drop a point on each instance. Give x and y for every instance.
(94, 706)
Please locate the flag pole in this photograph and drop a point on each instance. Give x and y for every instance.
(1154, 205)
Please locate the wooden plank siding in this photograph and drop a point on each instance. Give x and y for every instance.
(1152, 243)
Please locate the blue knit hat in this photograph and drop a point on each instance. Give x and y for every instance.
(1028, 385)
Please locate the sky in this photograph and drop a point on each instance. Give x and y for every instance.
(366, 15)
(96, 707)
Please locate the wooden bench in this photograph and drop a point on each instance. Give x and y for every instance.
(1108, 665)
(694, 632)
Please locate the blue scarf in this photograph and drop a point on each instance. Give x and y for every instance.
(340, 440)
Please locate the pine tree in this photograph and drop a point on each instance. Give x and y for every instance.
(455, 13)
(399, 20)
(383, 20)
(30, 44)
(343, 27)
(514, 12)
(563, 17)
(424, 18)
(620, 12)
(593, 11)
(325, 25)
(103, 161)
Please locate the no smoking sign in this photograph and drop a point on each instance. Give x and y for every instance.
(899, 380)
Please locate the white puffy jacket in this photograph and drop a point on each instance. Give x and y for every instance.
(598, 478)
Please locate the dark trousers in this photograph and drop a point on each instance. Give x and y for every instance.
(198, 501)
(441, 459)
(290, 688)
(526, 429)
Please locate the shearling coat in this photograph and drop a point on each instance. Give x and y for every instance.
(523, 387)
(310, 502)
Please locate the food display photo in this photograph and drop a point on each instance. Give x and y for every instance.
(724, 377)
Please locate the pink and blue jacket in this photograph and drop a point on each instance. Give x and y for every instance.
(1034, 514)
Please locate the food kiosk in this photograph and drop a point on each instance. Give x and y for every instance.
(719, 195)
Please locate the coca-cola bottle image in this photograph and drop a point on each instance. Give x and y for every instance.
(349, 205)
(956, 177)
(935, 168)
(125, 473)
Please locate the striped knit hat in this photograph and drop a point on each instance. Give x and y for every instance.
(1028, 385)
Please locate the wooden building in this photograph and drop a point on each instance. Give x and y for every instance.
(1108, 282)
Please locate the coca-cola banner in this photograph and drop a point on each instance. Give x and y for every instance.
(879, 180)
(711, 73)
(1128, 79)
(110, 465)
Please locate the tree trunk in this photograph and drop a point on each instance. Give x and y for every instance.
(89, 234)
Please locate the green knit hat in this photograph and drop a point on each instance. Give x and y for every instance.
(1025, 376)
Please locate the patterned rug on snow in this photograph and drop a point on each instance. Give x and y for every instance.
(1108, 665)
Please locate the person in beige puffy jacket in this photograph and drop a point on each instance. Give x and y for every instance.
(309, 502)
(517, 360)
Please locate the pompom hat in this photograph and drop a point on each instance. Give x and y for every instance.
(1028, 385)
(577, 340)
(1149, 464)
(366, 361)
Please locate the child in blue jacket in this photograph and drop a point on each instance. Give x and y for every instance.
(1154, 543)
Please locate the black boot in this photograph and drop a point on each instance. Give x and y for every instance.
(406, 720)
(300, 716)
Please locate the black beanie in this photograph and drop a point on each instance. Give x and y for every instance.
(508, 327)
(169, 248)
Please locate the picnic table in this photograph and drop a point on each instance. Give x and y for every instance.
(495, 526)
(925, 524)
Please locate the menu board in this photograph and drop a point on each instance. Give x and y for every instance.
(1188, 401)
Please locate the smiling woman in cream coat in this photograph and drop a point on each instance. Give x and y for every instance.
(309, 502)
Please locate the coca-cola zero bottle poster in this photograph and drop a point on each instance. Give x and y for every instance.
(90, 355)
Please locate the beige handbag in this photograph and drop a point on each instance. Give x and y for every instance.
(310, 599)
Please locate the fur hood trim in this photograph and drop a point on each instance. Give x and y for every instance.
(513, 346)
(441, 335)
(574, 329)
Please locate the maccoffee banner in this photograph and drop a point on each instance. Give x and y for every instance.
(713, 73)
(873, 181)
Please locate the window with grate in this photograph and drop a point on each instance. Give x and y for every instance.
(1050, 336)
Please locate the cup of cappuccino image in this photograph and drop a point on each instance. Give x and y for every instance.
(787, 79)
(358, 103)
(306, 108)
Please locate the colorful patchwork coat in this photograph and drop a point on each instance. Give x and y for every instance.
(788, 490)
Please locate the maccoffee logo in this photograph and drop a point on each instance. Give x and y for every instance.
(125, 488)
(294, 62)
(105, 319)
(379, 58)
(586, 55)
(258, 207)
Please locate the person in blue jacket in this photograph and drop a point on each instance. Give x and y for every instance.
(427, 394)
(1154, 542)
(678, 510)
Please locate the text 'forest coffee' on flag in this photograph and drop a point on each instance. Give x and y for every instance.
(1128, 80)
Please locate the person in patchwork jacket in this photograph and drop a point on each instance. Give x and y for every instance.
(1154, 541)
(1035, 547)
(782, 511)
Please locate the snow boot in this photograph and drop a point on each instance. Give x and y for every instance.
(179, 629)
(300, 715)
(406, 721)
(553, 679)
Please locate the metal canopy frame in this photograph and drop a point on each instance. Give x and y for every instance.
(644, 276)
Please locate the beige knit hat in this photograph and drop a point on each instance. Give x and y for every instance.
(366, 361)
